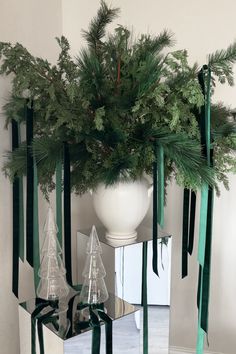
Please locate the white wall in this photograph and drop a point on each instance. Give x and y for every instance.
(34, 24)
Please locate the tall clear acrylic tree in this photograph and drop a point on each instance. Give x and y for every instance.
(52, 273)
(94, 289)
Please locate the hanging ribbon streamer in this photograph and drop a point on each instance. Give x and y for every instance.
(59, 200)
(36, 315)
(192, 222)
(29, 188)
(36, 249)
(96, 336)
(205, 233)
(21, 211)
(161, 186)
(16, 220)
(21, 221)
(144, 301)
(155, 216)
(67, 214)
(185, 233)
(108, 328)
(96, 313)
(189, 210)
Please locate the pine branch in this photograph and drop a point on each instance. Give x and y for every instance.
(221, 63)
(16, 162)
(225, 130)
(96, 31)
(158, 43)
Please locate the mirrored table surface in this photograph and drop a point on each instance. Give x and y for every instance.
(144, 233)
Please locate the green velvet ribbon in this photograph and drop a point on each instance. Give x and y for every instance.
(192, 222)
(67, 214)
(185, 229)
(144, 301)
(188, 226)
(108, 330)
(205, 231)
(16, 217)
(21, 221)
(36, 246)
(59, 200)
(36, 315)
(96, 313)
(161, 186)
(155, 214)
(29, 188)
(96, 334)
(21, 211)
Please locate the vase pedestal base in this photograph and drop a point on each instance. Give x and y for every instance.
(120, 238)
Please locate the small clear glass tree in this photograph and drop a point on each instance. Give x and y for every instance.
(52, 285)
(94, 289)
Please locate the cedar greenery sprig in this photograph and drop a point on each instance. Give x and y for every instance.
(112, 103)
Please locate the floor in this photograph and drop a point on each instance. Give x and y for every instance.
(127, 339)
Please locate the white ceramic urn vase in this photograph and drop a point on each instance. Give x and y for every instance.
(121, 207)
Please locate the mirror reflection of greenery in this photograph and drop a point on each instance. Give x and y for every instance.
(112, 103)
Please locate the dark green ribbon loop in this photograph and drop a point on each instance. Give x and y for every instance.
(144, 301)
(36, 316)
(43, 319)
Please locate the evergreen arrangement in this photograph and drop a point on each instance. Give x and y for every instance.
(113, 104)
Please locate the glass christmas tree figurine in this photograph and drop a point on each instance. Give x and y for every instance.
(94, 289)
(52, 285)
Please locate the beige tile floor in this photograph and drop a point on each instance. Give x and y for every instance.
(128, 336)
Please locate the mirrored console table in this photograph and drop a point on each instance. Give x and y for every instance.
(67, 337)
(123, 264)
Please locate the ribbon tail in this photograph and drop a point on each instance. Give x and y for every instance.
(203, 223)
(36, 230)
(67, 214)
(29, 191)
(16, 221)
(185, 233)
(144, 301)
(161, 186)
(96, 335)
(155, 220)
(59, 200)
(192, 223)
